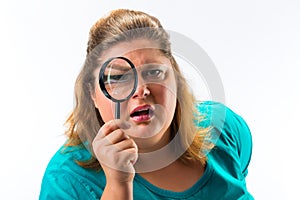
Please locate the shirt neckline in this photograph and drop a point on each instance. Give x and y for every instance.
(184, 194)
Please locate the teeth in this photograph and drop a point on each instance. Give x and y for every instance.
(142, 110)
(139, 112)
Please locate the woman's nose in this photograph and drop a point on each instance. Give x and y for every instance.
(142, 91)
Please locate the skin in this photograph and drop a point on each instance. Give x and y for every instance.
(163, 96)
(117, 149)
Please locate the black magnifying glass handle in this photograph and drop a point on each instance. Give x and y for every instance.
(117, 110)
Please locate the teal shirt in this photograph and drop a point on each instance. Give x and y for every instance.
(223, 178)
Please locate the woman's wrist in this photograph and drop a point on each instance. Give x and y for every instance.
(118, 190)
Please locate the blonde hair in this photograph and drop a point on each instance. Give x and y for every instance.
(85, 120)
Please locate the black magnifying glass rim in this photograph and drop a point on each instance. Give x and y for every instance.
(101, 79)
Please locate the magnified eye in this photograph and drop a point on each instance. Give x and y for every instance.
(118, 78)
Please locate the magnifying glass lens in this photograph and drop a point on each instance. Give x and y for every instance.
(119, 78)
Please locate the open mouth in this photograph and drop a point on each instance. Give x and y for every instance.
(142, 113)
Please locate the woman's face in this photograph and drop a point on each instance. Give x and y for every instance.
(151, 108)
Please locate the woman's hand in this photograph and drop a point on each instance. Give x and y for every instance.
(116, 152)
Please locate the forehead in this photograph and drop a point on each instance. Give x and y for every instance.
(138, 51)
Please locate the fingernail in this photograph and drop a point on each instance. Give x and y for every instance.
(127, 137)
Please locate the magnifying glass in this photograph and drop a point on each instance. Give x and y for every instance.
(118, 80)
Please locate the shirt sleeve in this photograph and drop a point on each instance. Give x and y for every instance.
(243, 137)
(62, 185)
(232, 132)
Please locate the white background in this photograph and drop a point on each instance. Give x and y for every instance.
(255, 46)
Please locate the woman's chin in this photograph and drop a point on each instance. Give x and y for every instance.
(148, 141)
(145, 131)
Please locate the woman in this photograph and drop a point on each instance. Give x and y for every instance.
(162, 147)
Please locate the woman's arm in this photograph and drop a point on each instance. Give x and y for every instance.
(116, 153)
(118, 190)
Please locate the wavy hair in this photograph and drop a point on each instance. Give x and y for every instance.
(85, 120)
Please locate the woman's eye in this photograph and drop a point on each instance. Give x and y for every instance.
(154, 73)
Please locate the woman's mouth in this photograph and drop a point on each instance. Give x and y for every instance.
(142, 113)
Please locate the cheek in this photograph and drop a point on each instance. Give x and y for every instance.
(166, 96)
(104, 106)
(166, 92)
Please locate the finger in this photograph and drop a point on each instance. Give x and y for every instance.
(112, 125)
(126, 144)
(120, 160)
(100, 141)
(129, 156)
(116, 137)
(115, 142)
(115, 124)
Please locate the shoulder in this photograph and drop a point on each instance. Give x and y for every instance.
(65, 159)
(222, 118)
(229, 132)
(64, 178)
